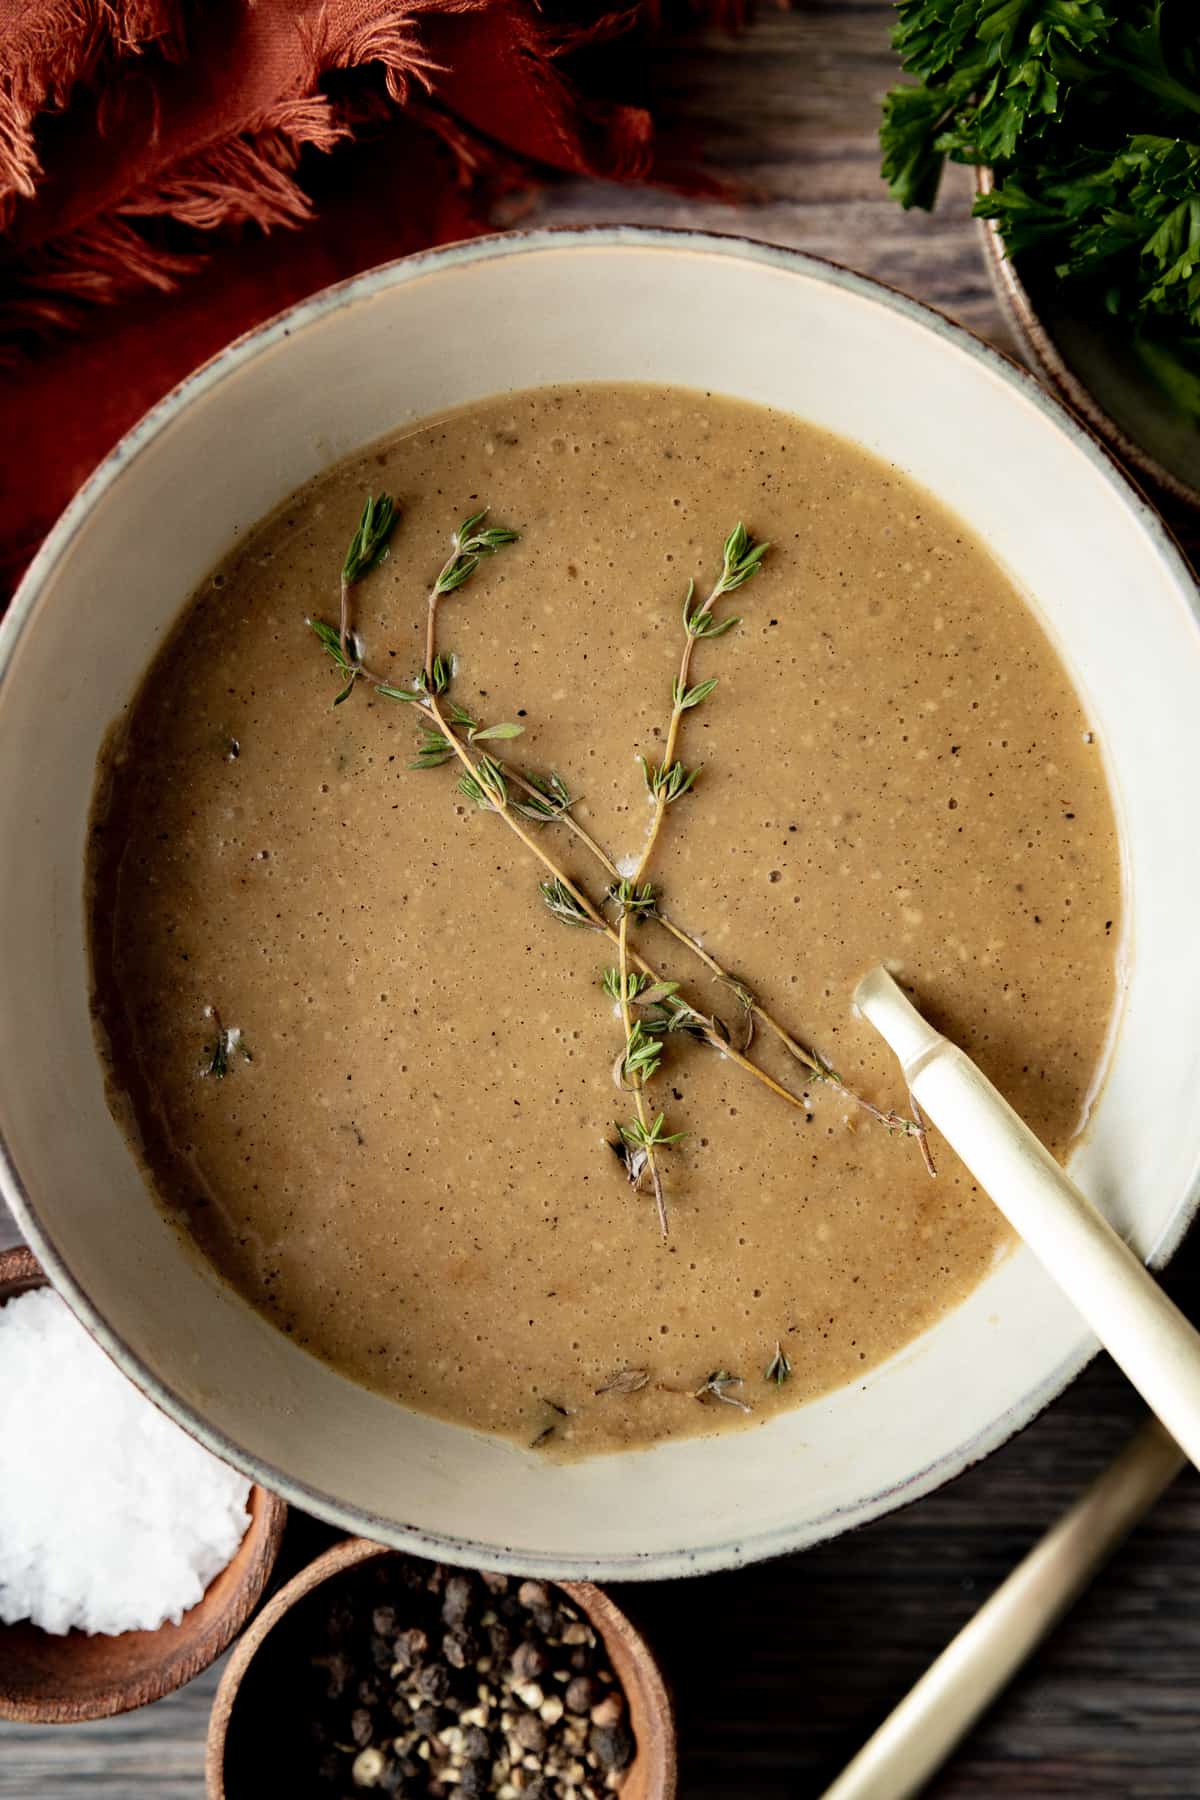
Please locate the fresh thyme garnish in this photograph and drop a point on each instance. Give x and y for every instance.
(486, 785)
(227, 1045)
(366, 551)
(642, 1055)
(625, 1381)
(718, 1385)
(610, 981)
(369, 545)
(779, 1367)
(546, 798)
(522, 797)
(546, 1432)
(650, 1137)
(667, 783)
(638, 899)
(564, 903)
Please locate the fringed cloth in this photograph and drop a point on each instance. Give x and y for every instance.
(174, 171)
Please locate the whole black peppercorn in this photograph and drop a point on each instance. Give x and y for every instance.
(530, 1661)
(499, 1641)
(611, 1745)
(433, 1682)
(581, 1694)
(361, 1729)
(425, 1721)
(475, 1780)
(580, 1658)
(383, 1621)
(476, 1744)
(410, 1647)
(530, 1733)
(381, 1652)
(368, 1694)
(459, 1647)
(456, 1600)
(546, 1620)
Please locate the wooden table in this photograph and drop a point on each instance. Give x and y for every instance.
(780, 1671)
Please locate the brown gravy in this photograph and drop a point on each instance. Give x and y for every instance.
(410, 1175)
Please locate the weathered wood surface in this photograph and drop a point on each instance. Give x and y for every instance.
(780, 1671)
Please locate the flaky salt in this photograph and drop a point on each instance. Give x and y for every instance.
(111, 1517)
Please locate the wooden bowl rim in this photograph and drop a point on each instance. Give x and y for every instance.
(20, 1272)
(659, 1746)
(1043, 353)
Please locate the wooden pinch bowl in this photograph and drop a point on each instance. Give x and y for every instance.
(651, 1775)
(46, 1679)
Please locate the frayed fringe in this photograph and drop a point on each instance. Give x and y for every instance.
(250, 178)
(395, 43)
(51, 51)
(246, 181)
(97, 264)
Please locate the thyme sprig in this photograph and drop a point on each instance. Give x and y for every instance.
(468, 547)
(524, 798)
(667, 783)
(779, 1367)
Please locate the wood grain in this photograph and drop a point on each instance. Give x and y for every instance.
(779, 1672)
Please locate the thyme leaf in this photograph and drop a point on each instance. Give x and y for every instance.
(650, 1137)
(563, 904)
(625, 1381)
(369, 545)
(634, 898)
(718, 1385)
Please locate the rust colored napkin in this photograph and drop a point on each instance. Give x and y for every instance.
(174, 171)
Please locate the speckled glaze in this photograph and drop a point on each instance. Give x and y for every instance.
(336, 373)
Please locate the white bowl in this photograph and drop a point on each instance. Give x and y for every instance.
(330, 376)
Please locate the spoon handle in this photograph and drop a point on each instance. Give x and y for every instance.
(1142, 1329)
(936, 1714)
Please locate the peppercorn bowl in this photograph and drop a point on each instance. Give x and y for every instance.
(374, 1670)
(47, 1679)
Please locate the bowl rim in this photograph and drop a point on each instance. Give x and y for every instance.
(1043, 353)
(351, 1553)
(729, 1551)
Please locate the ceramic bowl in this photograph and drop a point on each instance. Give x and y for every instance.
(650, 1776)
(319, 382)
(1088, 361)
(46, 1679)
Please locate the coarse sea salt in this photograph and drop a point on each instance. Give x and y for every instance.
(111, 1518)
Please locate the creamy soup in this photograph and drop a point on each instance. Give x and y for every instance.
(376, 1078)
